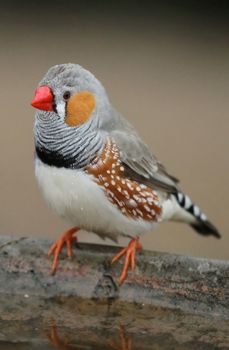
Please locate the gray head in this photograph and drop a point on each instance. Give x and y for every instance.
(73, 112)
(73, 94)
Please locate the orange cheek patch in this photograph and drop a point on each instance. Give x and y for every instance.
(79, 108)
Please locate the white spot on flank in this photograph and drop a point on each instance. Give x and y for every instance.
(113, 182)
(126, 194)
(132, 203)
(138, 188)
(136, 198)
(106, 184)
(121, 168)
(143, 186)
(145, 193)
(129, 186)
(139, 212)
(149, 200)
(147, 208)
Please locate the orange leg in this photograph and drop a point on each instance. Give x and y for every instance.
(56, 341)
(126, 343)
(57, 246)
(130, 252)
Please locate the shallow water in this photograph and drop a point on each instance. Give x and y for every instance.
(163, 329)
(65, 339)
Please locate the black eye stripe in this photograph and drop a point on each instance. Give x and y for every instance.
(54, 107)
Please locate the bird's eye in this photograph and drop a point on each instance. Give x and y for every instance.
(66, 95)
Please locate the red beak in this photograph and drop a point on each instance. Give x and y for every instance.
(43, 99)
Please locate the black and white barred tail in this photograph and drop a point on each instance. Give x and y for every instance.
(201, 224)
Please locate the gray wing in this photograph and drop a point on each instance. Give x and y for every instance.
(139, 163)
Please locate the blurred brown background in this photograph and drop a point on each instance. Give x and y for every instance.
(166, 68)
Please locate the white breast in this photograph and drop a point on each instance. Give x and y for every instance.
(78, 199)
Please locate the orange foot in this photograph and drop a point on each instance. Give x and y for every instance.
(56, 248)
(130, 252)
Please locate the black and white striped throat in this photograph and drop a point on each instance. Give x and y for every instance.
(59, 145)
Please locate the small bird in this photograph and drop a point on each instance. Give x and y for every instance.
(96, 172)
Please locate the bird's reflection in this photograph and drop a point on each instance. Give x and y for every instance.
(123, 341)
(55, 340)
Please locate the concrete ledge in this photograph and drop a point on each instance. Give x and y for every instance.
(193, 285)
(171, 299)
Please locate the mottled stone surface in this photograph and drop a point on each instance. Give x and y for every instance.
(173, 301)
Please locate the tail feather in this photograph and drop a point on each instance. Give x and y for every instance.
(206, 228)
(201, 224)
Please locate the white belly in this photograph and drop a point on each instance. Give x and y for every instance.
(78, 199)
